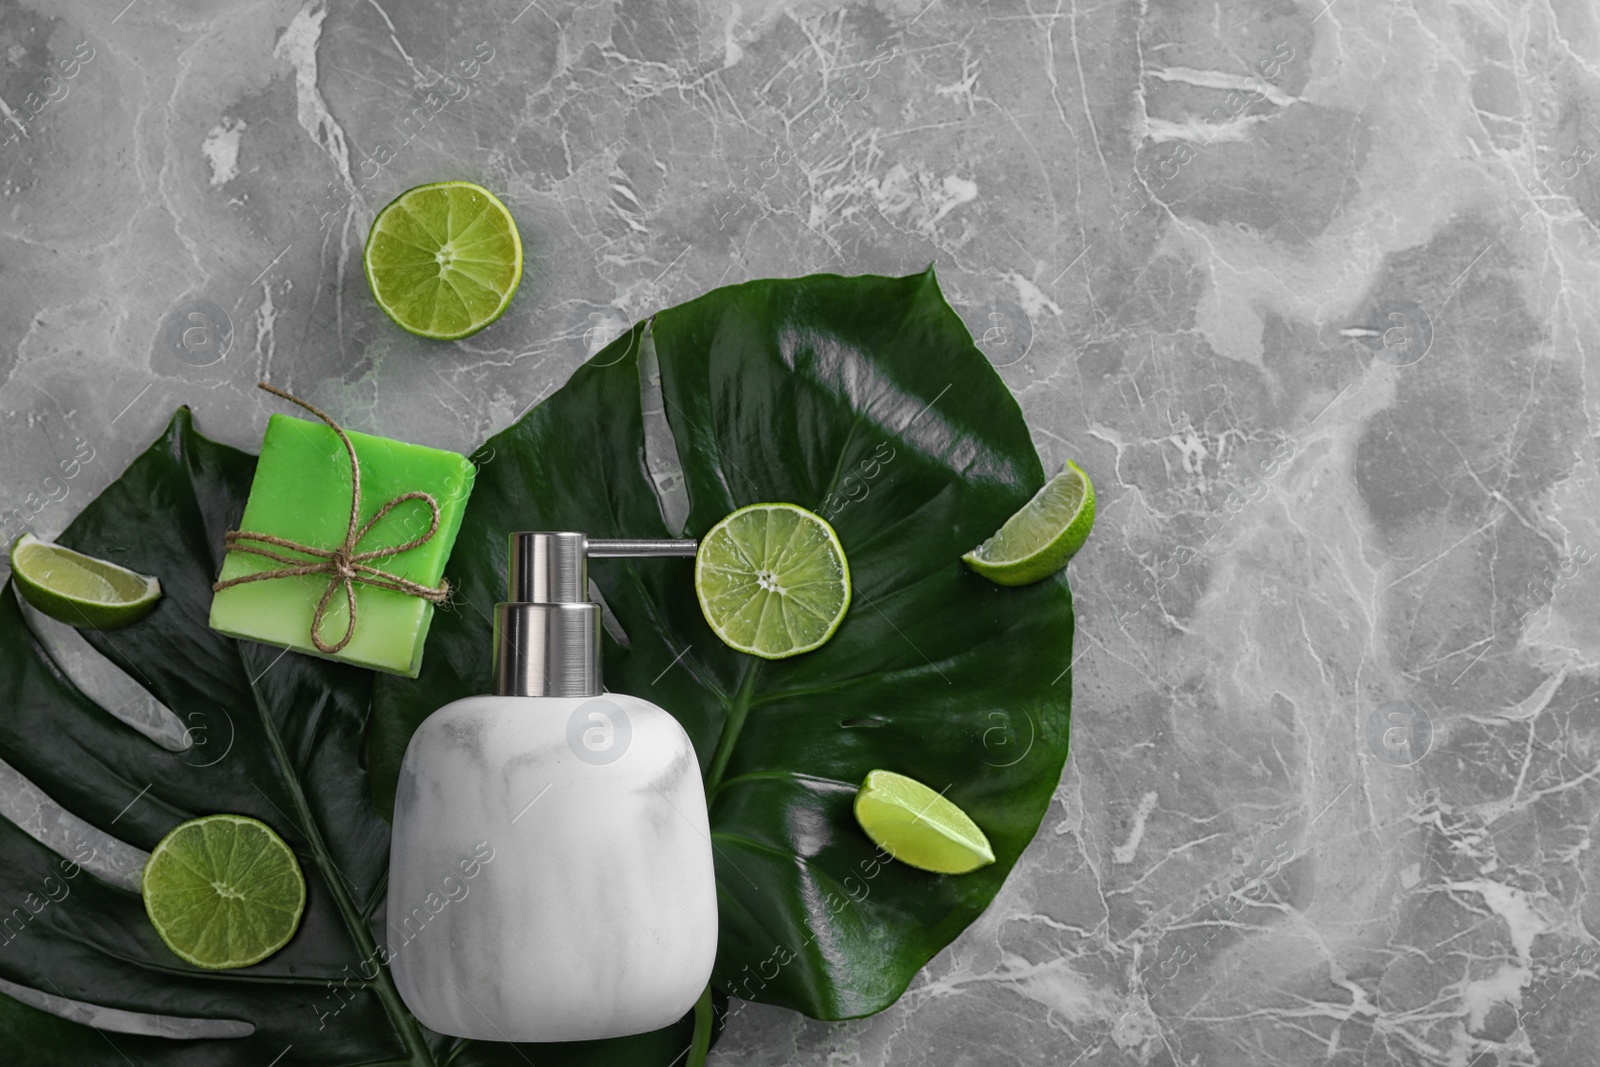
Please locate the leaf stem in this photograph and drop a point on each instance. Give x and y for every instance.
(702, 1029)
(732, 725)
(406, 1028)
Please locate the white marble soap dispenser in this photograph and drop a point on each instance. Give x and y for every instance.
(551, 875)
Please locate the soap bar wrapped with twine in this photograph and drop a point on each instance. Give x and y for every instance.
(345, 564)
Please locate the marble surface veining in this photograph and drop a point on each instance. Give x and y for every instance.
(1302, 285)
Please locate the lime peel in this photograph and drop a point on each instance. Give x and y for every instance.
(78, 589)
(1043, 535)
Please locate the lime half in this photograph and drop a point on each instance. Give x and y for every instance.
(916, 825)
(1039, 539)
(74, 588)
(772, 580)
(443, 260)
(223, 891)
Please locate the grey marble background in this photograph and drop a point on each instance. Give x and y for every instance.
(1301, 285)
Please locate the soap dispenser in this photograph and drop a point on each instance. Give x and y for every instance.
(550, 877)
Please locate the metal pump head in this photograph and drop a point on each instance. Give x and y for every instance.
(547, 636)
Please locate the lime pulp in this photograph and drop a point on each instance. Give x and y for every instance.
(443, 260)
(772, 580)
(223, 891)
(918, 826)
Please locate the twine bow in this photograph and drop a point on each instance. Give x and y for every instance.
(343, 565)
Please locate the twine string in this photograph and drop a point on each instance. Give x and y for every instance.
(343, 565)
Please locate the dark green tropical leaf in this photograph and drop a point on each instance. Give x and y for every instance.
(863, 399)
(296, 727)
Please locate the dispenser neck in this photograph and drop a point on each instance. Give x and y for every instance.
(547, 634)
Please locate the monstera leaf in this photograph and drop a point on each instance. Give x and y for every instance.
(865, 400)
(284, 739)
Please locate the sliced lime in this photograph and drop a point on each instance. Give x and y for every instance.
(223, 891)
(772, 580)
(1039, 539)
(916, 825)
(78, 589)
(444, 260)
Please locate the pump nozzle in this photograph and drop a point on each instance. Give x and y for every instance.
(600, 548)
(547, 634)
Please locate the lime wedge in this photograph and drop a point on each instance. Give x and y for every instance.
(916, 825)
(1039, 539)
(772, 580)
(73, 588)
(443, 260)
(223, 891)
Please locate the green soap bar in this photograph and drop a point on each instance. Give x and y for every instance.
(301, 492)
